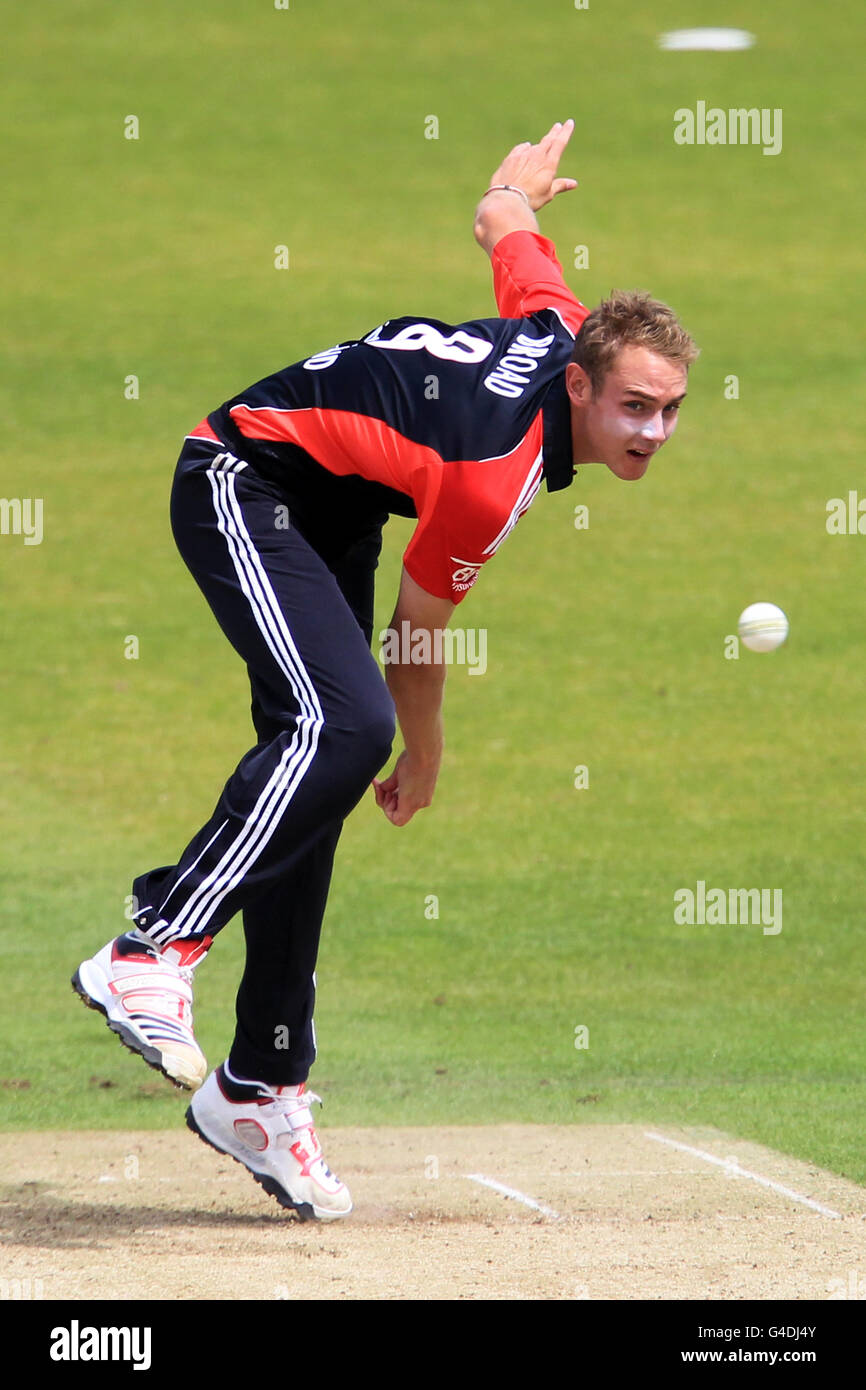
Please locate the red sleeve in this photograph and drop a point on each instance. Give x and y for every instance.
(447, 549)
(528, 277)
(466, 516)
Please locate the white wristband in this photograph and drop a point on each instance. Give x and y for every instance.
(508, 188)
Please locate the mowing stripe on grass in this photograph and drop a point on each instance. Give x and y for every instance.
(744, 1173)
(512, 1192)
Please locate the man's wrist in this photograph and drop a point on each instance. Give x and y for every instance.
(427, 759)
(509, 188)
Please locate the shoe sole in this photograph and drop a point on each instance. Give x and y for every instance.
(305, 1211)
(151, 1055)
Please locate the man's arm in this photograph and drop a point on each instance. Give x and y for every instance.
(527, 277)
(532, 169)
(416, 689)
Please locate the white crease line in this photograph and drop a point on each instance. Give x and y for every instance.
(737, 1171)
(512, 1192)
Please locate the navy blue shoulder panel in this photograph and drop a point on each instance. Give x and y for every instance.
(467, 391)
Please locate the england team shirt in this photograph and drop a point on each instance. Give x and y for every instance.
(457, 425)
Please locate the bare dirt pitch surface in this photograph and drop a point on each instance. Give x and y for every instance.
(158, 1215)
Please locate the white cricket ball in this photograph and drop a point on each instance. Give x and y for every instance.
(762, 627)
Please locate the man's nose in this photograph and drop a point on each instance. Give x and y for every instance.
(654, 430)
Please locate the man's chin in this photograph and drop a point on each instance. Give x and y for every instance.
(629, 469)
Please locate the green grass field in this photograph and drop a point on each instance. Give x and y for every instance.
(155, 258)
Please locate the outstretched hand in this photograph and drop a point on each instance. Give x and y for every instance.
(533, 167)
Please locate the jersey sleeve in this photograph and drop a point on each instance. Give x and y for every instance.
(446, 552)
(466, 517)
(528, 277)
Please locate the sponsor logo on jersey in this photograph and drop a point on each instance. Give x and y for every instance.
(513, 371)
(465, 575)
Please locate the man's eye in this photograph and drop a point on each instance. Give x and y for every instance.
(634, 405)
(673, 408)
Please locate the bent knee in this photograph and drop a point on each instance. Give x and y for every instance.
(366, 732)
(375, 731)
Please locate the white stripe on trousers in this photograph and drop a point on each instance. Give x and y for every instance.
(186, 872)
(279, 790)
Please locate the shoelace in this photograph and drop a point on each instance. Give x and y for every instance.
(183, 972)
(290, 1105)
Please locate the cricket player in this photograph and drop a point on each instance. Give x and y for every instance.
(278, 504)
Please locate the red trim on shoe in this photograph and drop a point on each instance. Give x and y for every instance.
(244, 1128)
(304, 1157)
(186, 953)
(221, 1087)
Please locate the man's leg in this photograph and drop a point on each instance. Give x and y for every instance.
(329, 711)
(275, 1038)
(255, 1106)
(331, 721)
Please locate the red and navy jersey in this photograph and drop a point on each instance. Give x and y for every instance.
(457, 425)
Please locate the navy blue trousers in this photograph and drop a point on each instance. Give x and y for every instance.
(324, 721)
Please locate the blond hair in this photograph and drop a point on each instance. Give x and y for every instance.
(630, 318)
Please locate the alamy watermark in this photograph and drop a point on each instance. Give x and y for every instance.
(846, 516)
(22, 516)
(852, 1288)
(77, 1343)
(711, 907)
(458, 646)
(19, 1289)
(714, 125)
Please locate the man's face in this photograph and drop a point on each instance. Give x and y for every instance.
(634, 414)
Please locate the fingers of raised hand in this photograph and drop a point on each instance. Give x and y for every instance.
(556, 140)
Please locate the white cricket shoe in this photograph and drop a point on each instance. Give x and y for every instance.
(272, 1135)
(146, 997)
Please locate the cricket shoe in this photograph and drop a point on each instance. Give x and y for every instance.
(271, 1133)
(146, 997)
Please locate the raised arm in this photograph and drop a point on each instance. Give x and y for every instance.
(531, 171)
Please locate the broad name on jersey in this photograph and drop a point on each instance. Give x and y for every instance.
(320, 360)
(512, 373)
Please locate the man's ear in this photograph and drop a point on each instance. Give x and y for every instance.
(577, 384)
